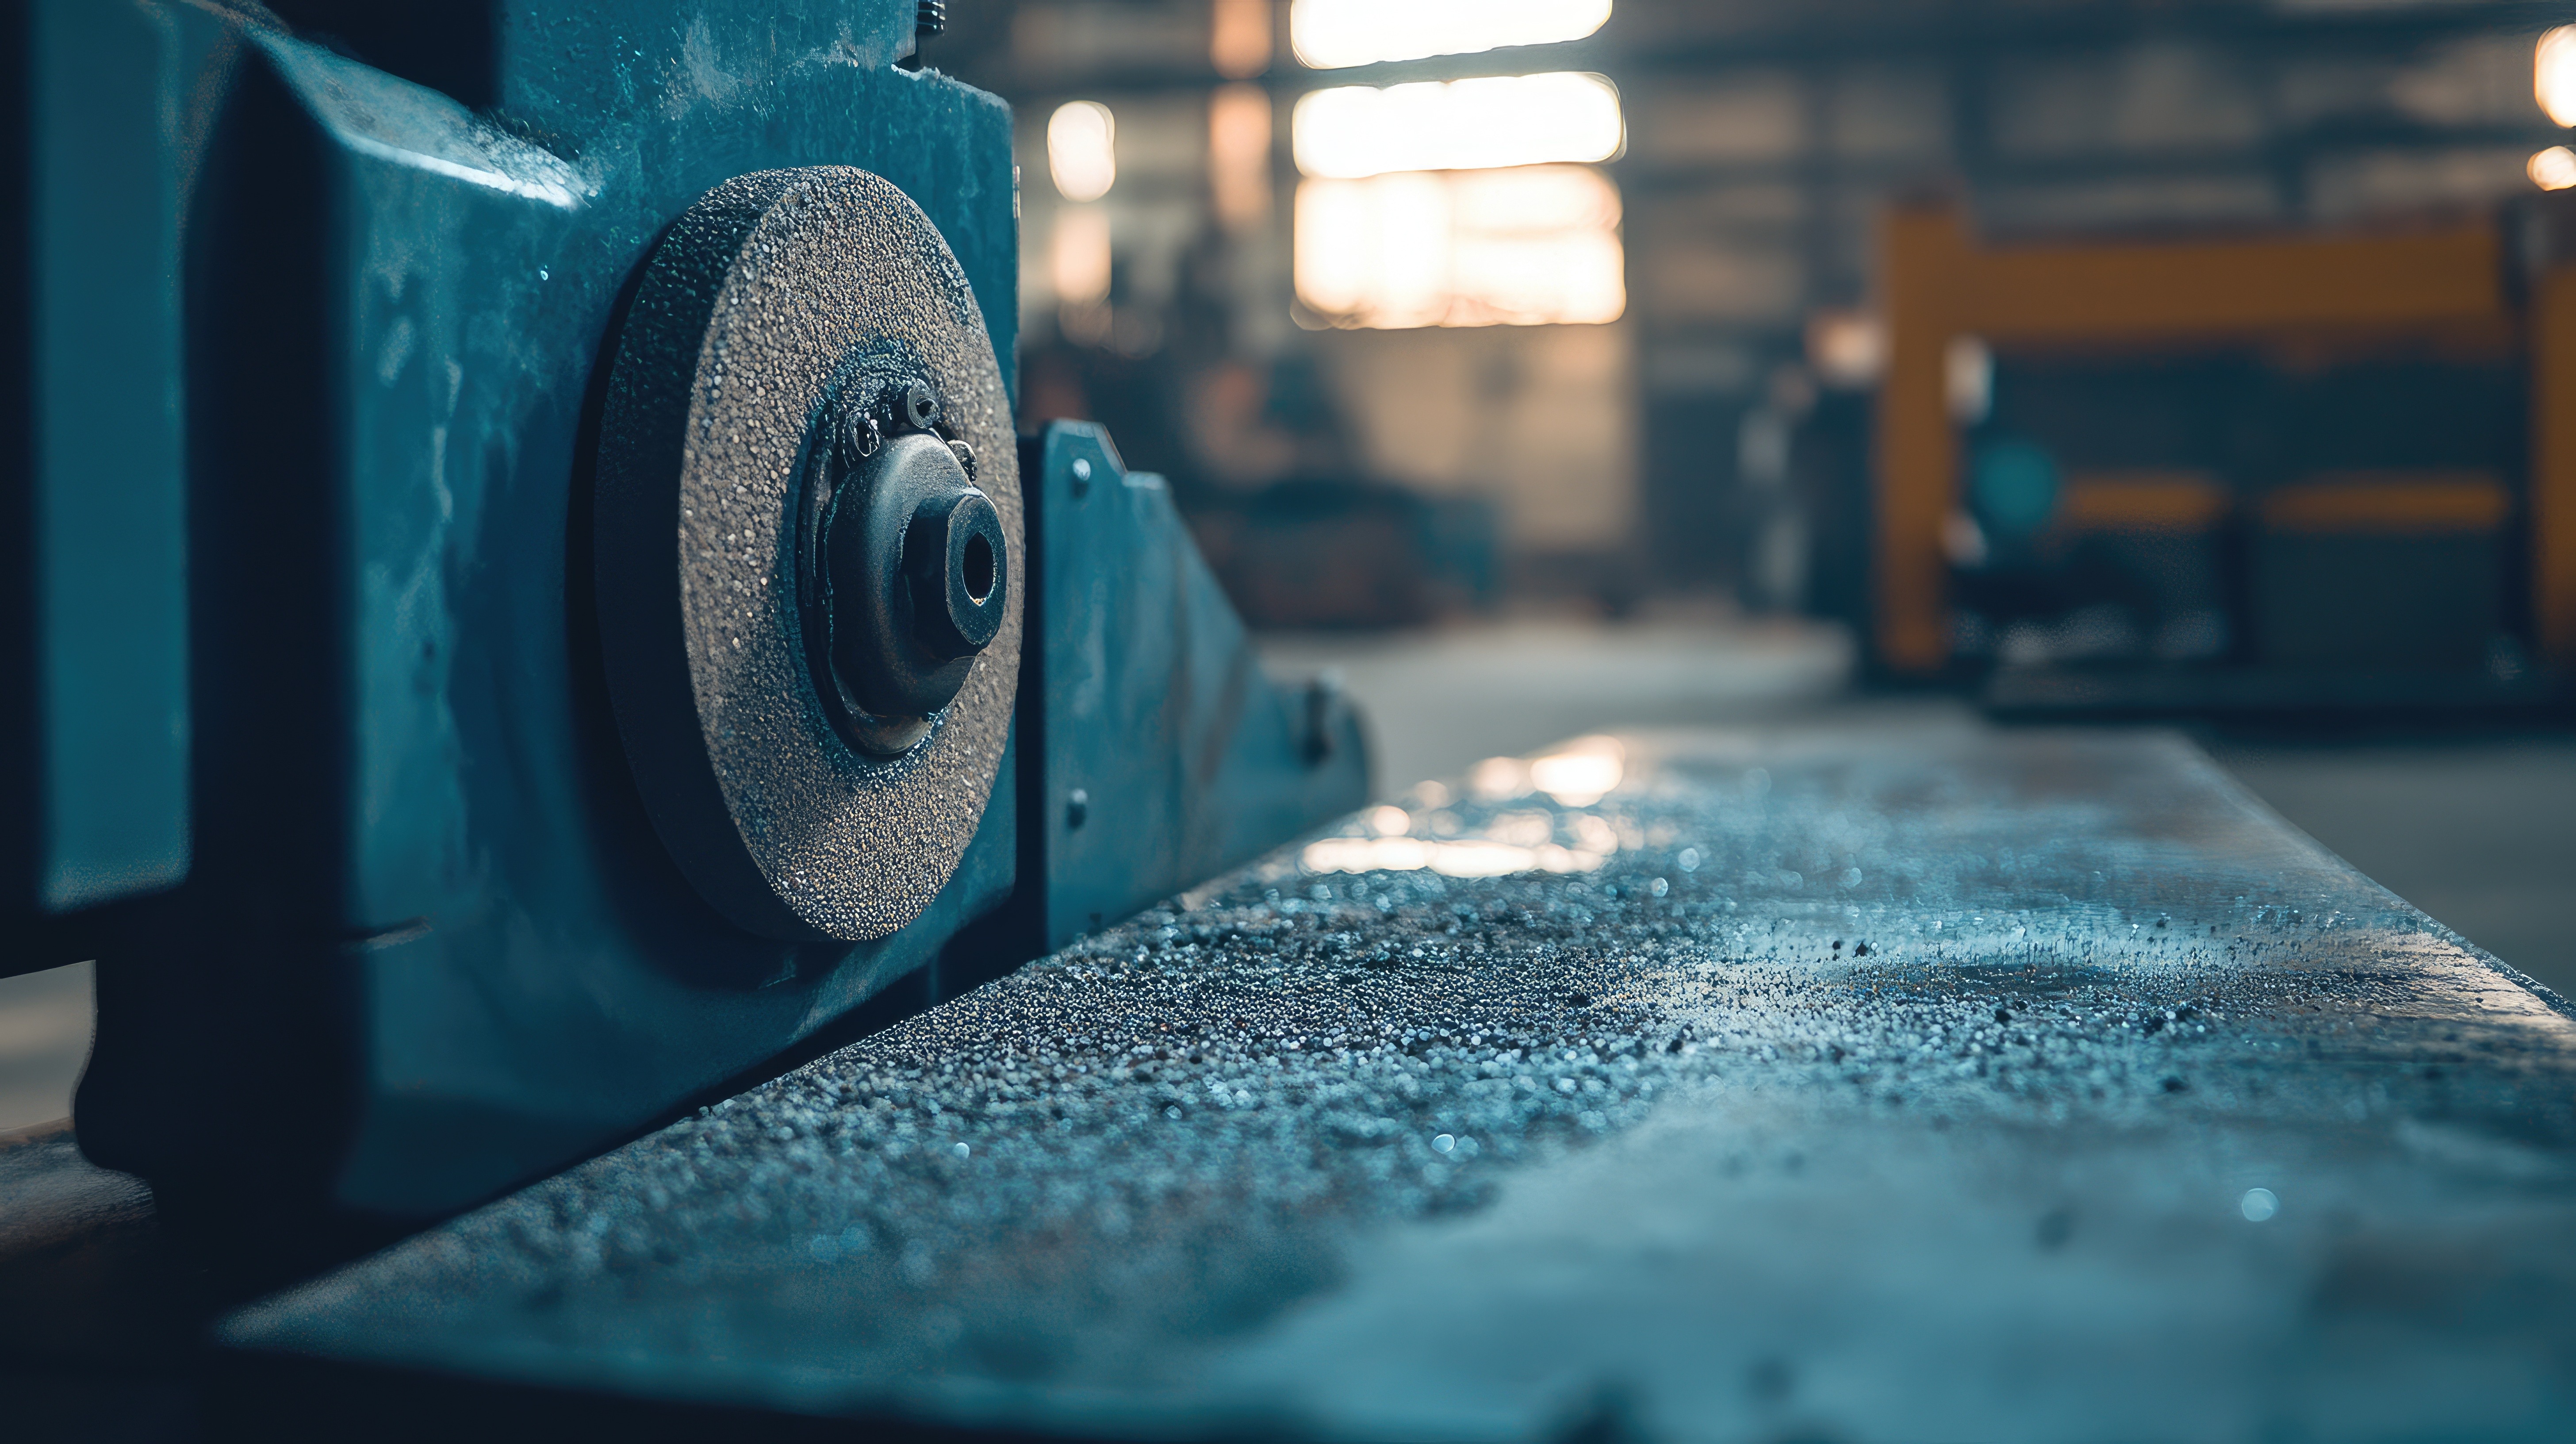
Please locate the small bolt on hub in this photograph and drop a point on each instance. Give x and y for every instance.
(929, 18)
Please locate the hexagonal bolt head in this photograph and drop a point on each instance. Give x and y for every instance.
(857, 438)
(957, 561)
(918, 406)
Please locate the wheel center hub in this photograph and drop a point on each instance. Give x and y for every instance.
(910, 563)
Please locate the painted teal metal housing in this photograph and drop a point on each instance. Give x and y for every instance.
(429, 935)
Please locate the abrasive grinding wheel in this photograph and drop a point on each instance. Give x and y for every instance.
(809, 542)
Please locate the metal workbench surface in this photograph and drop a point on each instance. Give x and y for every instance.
(1958, 1085)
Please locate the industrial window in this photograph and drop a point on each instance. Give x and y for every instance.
(1522, 247)
(1331, 34)
(1469, 203)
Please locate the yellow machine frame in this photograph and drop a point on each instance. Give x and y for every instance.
(1938, 284)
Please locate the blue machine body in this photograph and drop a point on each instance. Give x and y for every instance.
(335, 792)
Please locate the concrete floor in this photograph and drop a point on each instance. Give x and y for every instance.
(2480, 832)
(44, 1040)
(1436, 703)
(2477, 830)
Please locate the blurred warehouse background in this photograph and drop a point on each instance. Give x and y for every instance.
(1441, 306)
(1548, 365)
(2207, 361)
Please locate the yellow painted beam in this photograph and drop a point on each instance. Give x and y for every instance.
(2171, 502)
(2389, 502)
(1921, 249)
(2140, 292)
(1936, 283)
(2553, 465)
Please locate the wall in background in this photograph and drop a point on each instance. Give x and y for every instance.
(1762, 141)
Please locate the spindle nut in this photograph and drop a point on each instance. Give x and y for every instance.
(918, 563)
(952, 555)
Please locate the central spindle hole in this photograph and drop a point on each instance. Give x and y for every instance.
(979, 568)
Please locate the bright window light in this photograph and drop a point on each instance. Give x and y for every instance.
(1330, 34)
(2553, 74)
(1847, 348)
(1527, 247)
(1239, 38)
(1506, 120)
(1081, 263)
(1239, 154)
(2553, 169)
(1082, 150)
